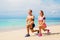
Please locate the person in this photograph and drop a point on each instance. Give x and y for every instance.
(30, 23)
(41, 23)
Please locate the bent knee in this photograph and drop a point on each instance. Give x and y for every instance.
(32, 30)
(27, 27)
(44, 29)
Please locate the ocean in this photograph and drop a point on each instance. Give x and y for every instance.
(21, 23)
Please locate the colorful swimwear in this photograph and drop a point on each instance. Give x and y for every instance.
(40, 19)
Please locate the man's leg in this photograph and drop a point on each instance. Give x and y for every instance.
(32, 29)
(27, 28)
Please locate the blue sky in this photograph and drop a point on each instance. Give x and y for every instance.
(19, 8)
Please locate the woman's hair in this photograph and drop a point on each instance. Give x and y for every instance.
(42, 12)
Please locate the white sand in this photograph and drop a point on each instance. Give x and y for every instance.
(20, 34)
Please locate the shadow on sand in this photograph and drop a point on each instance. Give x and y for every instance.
(48, 34)
(51, 33)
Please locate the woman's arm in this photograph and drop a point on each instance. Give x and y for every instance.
(43, 20)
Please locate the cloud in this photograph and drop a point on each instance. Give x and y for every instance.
(20, 7)
(51, 8)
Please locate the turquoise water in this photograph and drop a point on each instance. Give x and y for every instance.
(20, 23)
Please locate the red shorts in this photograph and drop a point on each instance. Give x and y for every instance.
(44, 25)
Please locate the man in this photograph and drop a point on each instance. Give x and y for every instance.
(30, 23)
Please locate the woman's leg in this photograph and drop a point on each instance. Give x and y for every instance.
(40, 33)
(48, 31)
(40, 30)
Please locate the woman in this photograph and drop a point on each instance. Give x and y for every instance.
(41, 23)
(30, 23)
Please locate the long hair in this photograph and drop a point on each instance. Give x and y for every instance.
(42, 12)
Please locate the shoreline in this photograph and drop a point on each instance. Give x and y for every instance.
(10, 29)
(18, 28)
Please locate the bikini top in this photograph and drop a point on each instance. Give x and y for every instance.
(41, 18)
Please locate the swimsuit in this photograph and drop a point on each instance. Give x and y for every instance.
(41, 19)
(28, 23)
(33, 25)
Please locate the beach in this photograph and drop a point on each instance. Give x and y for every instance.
(19, 34)
(15, 14)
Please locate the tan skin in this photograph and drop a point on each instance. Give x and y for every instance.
(29, 22)
(41, 23)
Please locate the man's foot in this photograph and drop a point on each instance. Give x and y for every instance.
(27, 35)
(39, 35)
